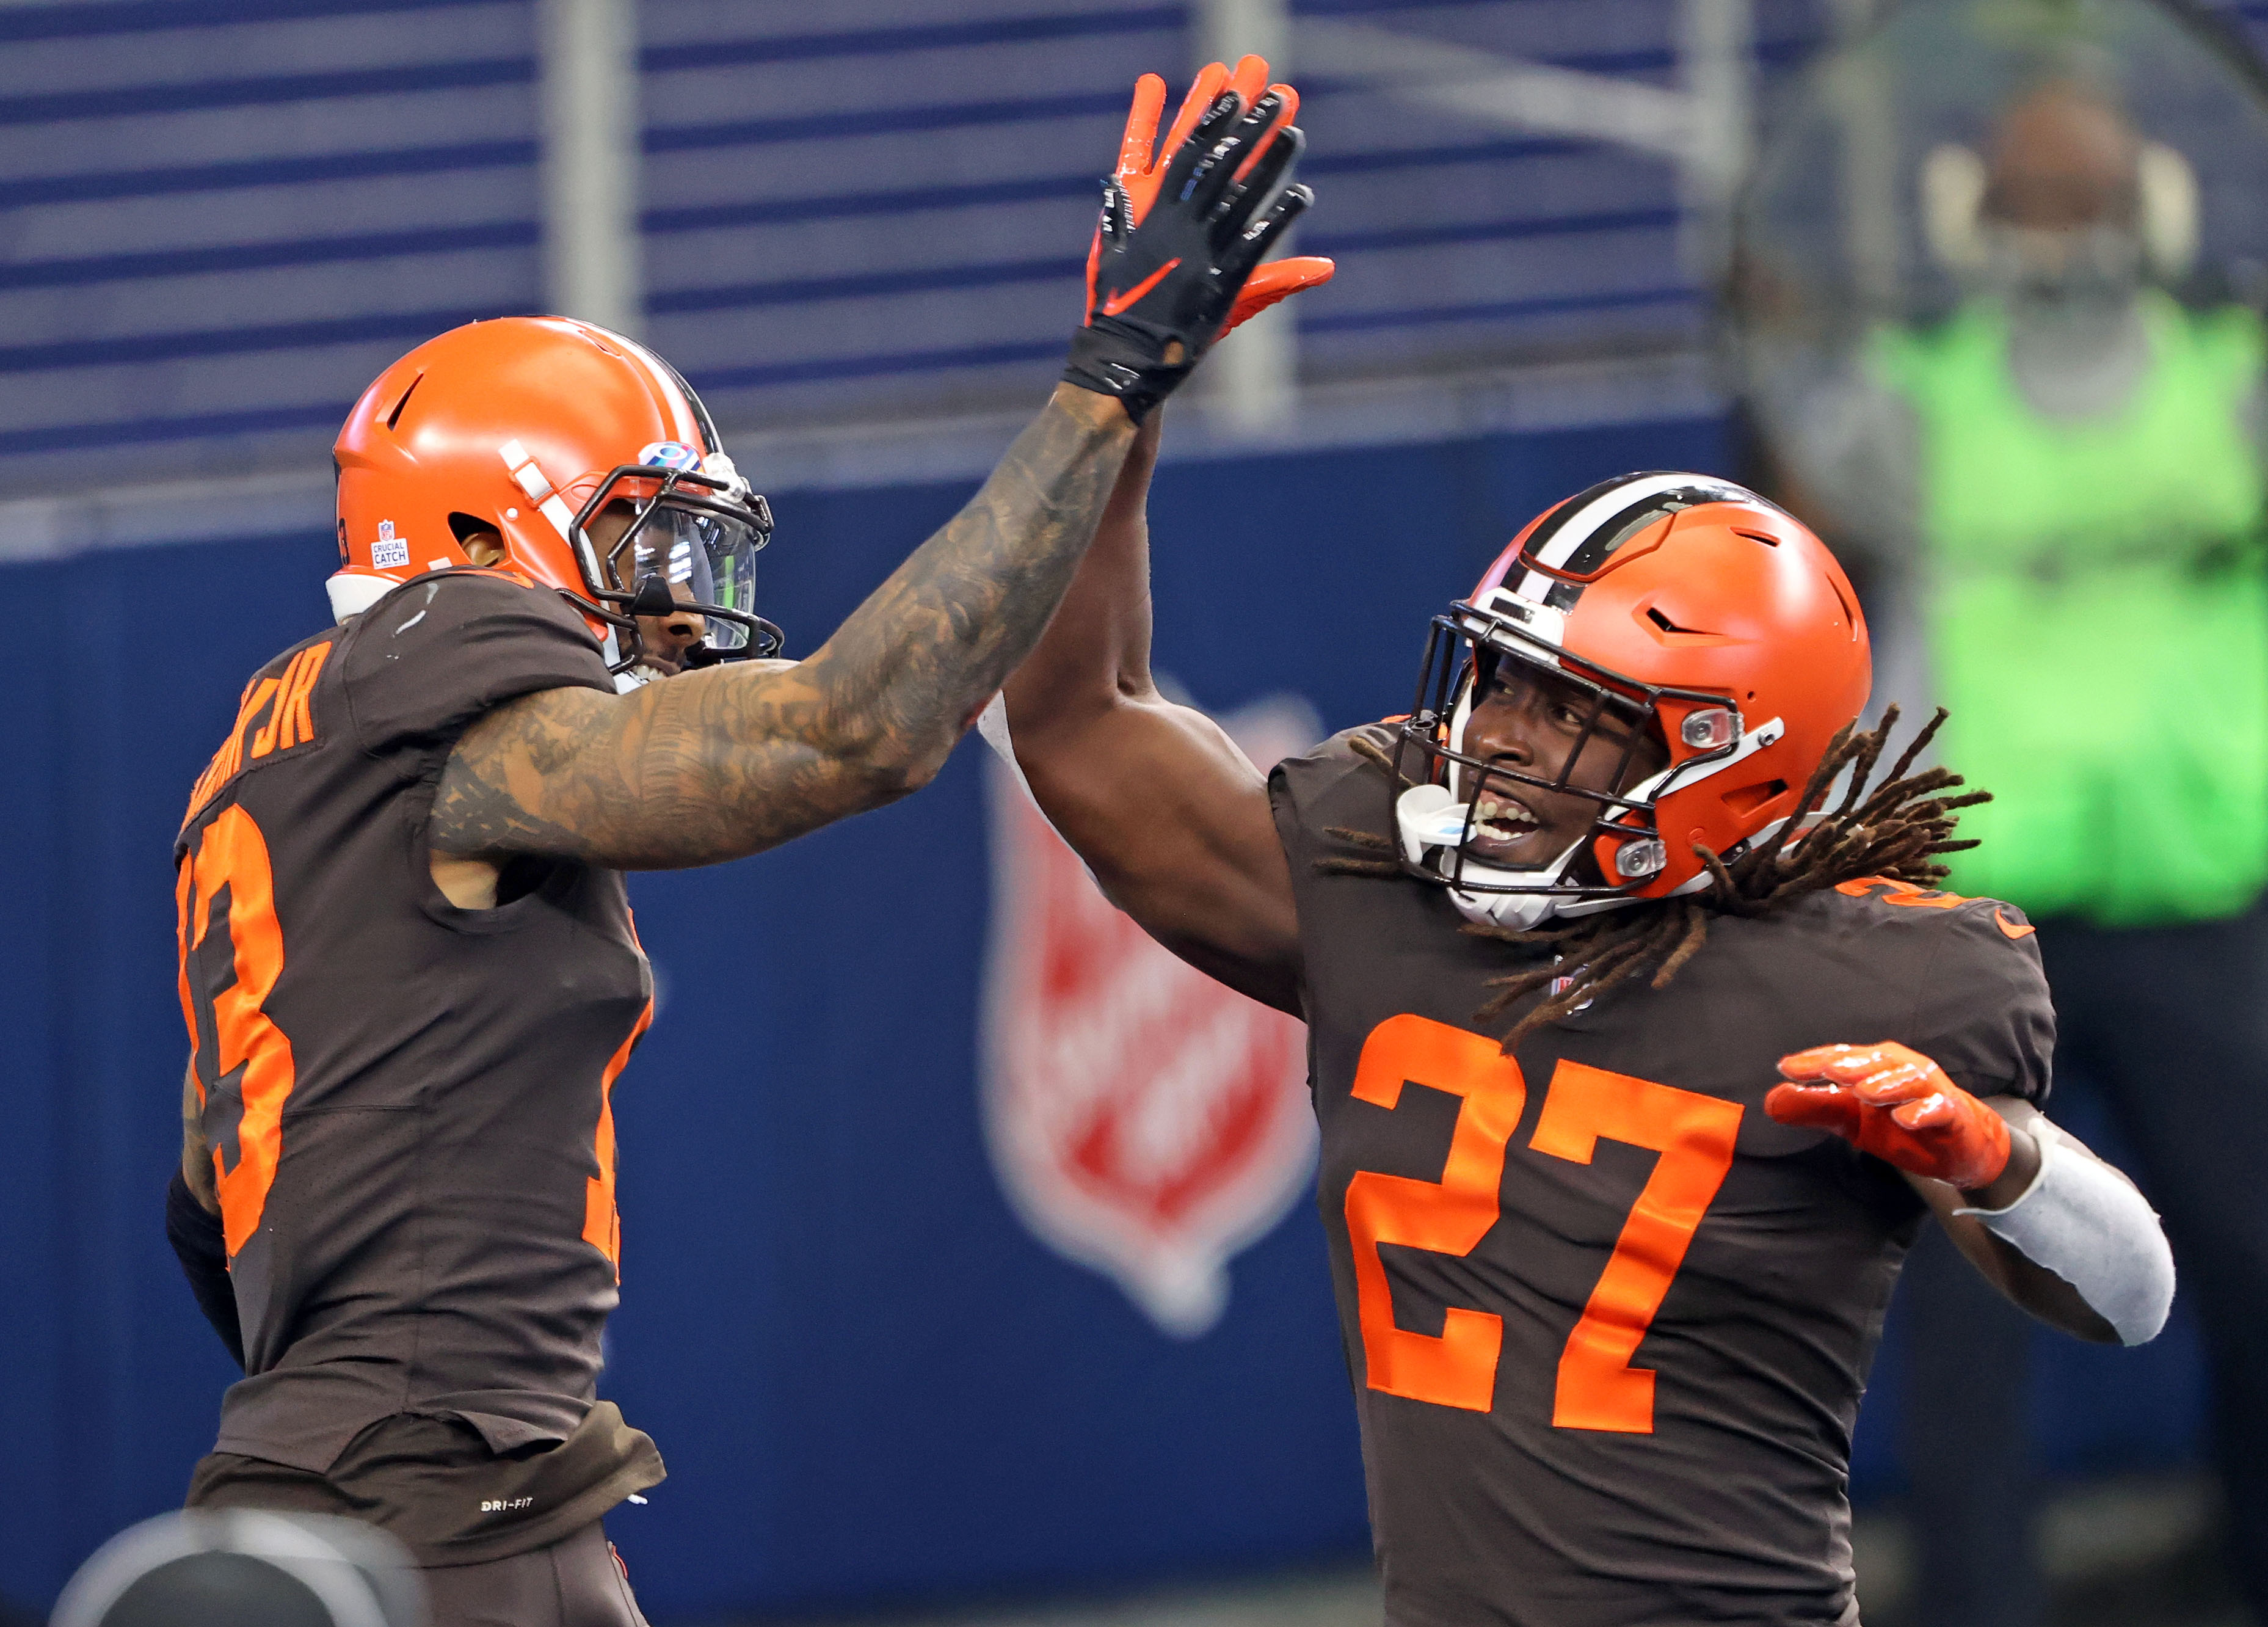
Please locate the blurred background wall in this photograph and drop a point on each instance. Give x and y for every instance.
(858, 229)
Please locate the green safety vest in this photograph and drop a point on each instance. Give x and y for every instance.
(2098, 621)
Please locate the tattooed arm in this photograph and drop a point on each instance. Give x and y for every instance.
(1165, 808)
(733, 759)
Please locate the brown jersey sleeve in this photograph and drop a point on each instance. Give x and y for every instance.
(1981, 1007)
(437, 652)
(1331, 787)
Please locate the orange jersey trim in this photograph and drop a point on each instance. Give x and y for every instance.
(602, 1222)
(1904, 893)
(275, 714)
(2014, 931)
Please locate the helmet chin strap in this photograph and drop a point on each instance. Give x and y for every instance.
(1433, 822)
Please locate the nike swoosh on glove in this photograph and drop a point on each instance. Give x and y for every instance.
(1159, 291)
(1894, 1102)
(1140, 174)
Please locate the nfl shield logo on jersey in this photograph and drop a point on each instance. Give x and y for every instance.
(1143, 1120)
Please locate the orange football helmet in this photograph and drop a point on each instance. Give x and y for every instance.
(530, 426)
(1712, 618)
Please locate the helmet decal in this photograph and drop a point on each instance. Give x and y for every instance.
(670, 455)
(389, 552)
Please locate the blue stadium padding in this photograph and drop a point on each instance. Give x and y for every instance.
(820, 205)
(868, 1381)
(286, 192)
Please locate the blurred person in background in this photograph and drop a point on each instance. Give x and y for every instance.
(2065, 479)
(407, 964)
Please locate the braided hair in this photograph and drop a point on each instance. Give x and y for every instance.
(1897, 831)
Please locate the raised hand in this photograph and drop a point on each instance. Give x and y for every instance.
(1894, 1102)
(1140, 157)
(1139, 173)
(1163, 285)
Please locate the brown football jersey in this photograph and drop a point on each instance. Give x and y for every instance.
(1609, 1323)
(407, 1101)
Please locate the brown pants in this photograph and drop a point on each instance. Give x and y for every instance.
(573, 1583)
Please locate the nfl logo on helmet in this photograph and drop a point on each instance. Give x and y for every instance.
(1143, 1120)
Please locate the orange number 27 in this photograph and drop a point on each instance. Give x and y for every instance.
(1597, 1387)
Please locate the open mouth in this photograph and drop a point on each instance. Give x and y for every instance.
(1503, 824)
(648, 669)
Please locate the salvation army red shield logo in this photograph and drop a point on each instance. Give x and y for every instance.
(1144, 1119)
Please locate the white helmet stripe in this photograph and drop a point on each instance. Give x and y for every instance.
(1580, 526)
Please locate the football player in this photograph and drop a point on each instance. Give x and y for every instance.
(407, 958)
(1639, 1061)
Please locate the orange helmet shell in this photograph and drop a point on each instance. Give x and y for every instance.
(511, 423)
(1689, 597)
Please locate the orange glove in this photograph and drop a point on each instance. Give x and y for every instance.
(1142, 169)
(1895, 1103)
(1278, 279)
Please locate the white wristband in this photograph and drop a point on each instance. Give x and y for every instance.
(2083, 1220)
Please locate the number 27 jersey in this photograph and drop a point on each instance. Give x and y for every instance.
(1609, 1323)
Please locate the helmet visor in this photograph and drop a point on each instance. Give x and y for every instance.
(696, 535)
(708, 559)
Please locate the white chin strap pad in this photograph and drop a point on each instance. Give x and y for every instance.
(2083, 1220)
(1432, 820)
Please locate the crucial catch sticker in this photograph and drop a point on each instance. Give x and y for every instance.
(389, 552)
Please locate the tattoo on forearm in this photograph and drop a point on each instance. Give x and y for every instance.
(730, 760)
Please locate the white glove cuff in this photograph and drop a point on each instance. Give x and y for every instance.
(2083, 1220)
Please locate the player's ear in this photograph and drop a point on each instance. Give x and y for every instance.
(484, 543)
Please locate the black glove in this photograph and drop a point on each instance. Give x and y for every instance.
(1157, 293)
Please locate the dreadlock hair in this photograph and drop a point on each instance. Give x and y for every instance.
(1896, 831)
